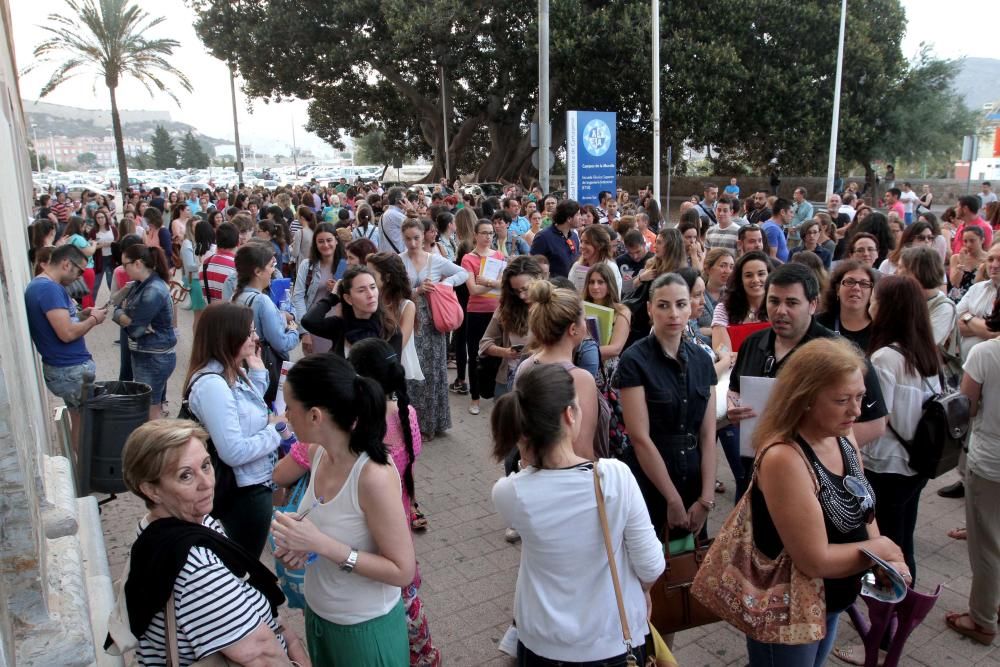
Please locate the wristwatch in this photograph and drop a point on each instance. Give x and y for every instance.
(707, 504)
(967, 317)
(352, 560)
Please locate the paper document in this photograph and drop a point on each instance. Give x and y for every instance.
(492, 268)
(754, 393)
(883, 582)
(605, 320)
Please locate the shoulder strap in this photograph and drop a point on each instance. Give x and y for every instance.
(187, 390)
(382, 235)
(603, 514)
(798, 450)
(171, 638)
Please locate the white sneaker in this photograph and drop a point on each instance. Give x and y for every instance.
(511, 536)
(508, 643)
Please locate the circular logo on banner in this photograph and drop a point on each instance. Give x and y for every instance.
(597, 137)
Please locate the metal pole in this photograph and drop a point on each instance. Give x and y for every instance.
(38, 159)
(236, 126)
(444, 126)
(831, 165)
(656, 106)
(52, 147)
(295, 150)
(544, 128)
(670, 175)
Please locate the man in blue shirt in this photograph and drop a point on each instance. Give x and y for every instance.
(773, 228)
(519, 225)
(57, 329)
(560, 243)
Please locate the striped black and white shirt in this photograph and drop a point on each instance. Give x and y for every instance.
(214, 609)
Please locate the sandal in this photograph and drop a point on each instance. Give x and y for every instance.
(854, 654)
(975, 633)
(958, 534)
(418, 522)
(719, 487)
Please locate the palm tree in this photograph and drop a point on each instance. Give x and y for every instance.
(107, 37)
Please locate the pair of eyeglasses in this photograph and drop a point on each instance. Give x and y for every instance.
(926, 238)
(851, 283)
(866, 251)
(857, 488)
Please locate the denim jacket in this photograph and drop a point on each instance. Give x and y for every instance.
(269, 321)
(515, 245)
(236, 420)
(302, 298)
(149, 307)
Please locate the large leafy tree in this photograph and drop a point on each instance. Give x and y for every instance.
(750, 81)
(112, 39)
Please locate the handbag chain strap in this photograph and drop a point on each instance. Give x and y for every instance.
(603, 514)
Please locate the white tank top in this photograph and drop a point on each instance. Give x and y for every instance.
(337, 596)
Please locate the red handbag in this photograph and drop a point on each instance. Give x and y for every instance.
(445, 309)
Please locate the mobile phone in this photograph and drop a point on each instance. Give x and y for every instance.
(517, 348)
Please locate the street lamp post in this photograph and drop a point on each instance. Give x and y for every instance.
(52, 147)
(656, 107)
(544, 129)
(236, 126)
(831, 165)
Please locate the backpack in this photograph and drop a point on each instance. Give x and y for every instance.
(225, 478)
(941, 431)
(609, 398)
(951, 348)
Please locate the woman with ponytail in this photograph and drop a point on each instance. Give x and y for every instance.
(146, 315)
(375, 359)
(563, 590)
(356, 526)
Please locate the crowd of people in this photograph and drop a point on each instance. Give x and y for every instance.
(612, 340)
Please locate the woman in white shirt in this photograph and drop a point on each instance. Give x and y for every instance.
(564, 600)
(595, 248)
(904, 355)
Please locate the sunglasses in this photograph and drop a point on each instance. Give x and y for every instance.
(857, 488)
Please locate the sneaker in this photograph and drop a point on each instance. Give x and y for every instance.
(458, 387)
(473, 409)
(511, 536)
(508, 643)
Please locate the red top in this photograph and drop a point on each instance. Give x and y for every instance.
(483, 303)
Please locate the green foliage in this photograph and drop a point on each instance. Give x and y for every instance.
(108, 38)
(372, 148)
(192, 155)
(87, 159)
(753, 80)
(34, 159)
(142, 160)
(164, 152)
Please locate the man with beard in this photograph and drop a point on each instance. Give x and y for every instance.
(760, 211)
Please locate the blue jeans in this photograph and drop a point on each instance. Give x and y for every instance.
(107, 271)
(154, 370)
(729, 438)
(801, 655)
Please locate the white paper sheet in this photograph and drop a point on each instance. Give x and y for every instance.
(754, 393)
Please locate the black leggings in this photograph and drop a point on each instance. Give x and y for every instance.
(475, 327)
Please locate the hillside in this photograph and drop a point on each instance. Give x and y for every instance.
(66, 121)
(978, 81)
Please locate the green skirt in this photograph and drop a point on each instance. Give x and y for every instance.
(380, 642)
(196, 295)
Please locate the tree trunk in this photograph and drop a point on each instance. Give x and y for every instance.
(871, 190)
(116, 124)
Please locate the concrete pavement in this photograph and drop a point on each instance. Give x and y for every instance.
(469, 571)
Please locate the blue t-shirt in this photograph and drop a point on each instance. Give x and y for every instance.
(41, 296)
(776, 238)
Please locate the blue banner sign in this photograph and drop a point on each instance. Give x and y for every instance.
(591, 154)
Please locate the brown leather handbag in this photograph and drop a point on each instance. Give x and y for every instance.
(674, 608)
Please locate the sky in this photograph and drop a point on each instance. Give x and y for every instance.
(965, 29)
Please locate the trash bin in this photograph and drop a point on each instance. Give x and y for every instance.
(111, 411)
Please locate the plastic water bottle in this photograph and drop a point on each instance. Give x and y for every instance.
(286, 306)
(287, 436)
